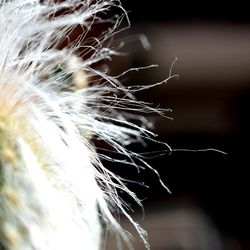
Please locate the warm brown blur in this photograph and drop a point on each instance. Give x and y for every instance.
(208, 208)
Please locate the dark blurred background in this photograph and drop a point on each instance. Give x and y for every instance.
(208, 207)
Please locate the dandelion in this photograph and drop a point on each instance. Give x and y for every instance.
(53, 99)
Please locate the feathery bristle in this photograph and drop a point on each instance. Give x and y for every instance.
(53, 186)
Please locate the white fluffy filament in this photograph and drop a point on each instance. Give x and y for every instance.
(53, 186)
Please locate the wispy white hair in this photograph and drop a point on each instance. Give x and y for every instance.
(53, 186)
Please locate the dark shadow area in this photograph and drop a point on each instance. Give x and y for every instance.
(210, 103)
